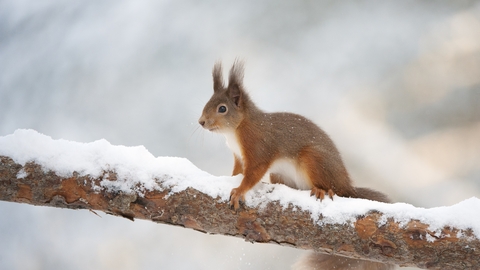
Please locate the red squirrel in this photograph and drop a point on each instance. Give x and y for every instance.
(294, 150)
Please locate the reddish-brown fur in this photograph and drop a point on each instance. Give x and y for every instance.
(260, 139)
(264, 138)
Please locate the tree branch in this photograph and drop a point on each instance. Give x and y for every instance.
(407, 245)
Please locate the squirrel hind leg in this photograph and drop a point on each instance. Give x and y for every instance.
(325, 173)
(311, 163)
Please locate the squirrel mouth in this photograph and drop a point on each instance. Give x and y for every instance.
(213, 129)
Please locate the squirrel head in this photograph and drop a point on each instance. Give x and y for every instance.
(228, 105)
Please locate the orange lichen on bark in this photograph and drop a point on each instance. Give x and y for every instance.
(24, 193)
(366, 227)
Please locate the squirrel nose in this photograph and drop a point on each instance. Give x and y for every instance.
(201, 122)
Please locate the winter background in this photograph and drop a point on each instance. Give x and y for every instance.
(395, 84)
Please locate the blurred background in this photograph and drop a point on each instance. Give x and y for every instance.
(395, 83)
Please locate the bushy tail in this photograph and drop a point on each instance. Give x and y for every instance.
(318, 261)
(370, 194)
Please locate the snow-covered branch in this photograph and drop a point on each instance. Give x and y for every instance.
(130, 182)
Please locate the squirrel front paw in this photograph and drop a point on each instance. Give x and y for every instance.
(320, 193)
(235, 197)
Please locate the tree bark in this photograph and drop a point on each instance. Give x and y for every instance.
(364, 239)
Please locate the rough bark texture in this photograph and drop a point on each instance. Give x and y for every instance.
(390, 243)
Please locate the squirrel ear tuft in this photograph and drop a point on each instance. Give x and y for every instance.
(236, 74)
(235, 82)
(217, 77)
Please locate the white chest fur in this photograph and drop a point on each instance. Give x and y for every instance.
(232, 143)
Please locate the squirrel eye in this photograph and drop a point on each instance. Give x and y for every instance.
(222, 109)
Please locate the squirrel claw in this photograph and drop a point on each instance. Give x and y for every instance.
(235, 198)
(320, 193)
(331, 194)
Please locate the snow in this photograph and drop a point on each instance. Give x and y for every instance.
(138, 170)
